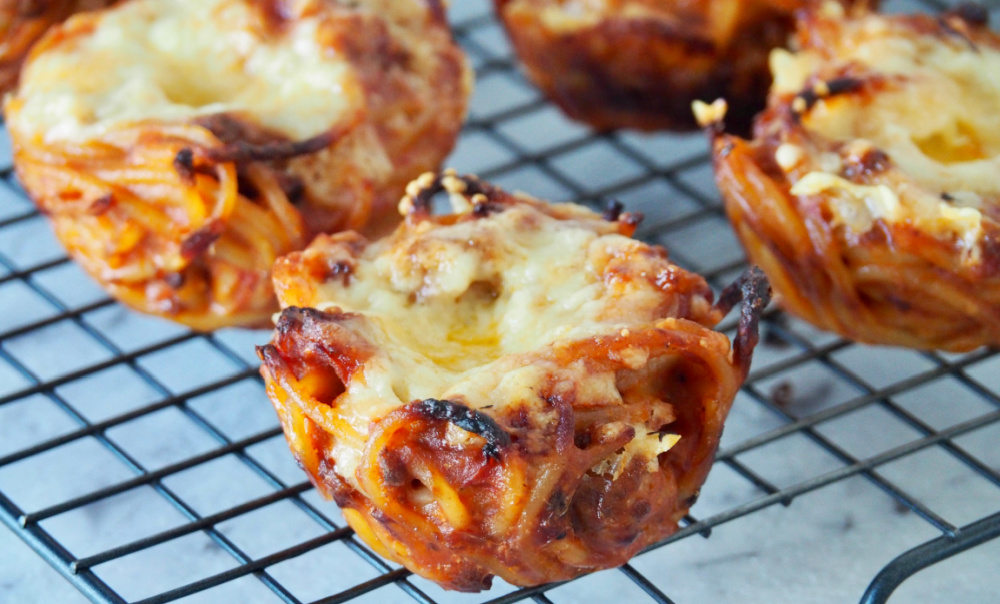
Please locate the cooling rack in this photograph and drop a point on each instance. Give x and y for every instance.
(144, 463)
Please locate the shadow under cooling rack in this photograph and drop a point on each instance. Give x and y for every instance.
(144, 463)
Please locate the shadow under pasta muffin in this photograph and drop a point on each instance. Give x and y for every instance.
(641, 63)
(181, 147)
(515, 389)
(870, 194)
(23, 22)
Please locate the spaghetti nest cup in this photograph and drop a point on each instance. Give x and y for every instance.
(181, 147)
(870, 194)
(640, 63)
(514, 389)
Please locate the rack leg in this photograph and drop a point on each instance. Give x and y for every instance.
(909, 563)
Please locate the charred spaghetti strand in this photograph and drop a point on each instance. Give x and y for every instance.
(826, 89)
(184, 164)
(481, 209)
(469, 420)
(753, 293)
(613, 210)
(199, 241)
(242, 152)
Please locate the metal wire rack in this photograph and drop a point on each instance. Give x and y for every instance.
(144, 463)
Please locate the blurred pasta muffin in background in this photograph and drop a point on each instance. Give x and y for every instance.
(640, 63)
(516, 388)
(870, 192)
(23, 22)
(180, 146)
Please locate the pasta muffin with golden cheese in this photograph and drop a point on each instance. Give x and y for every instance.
(870, 194)
(514, 389)
(23, 22)
(640, 63)
(181, 147)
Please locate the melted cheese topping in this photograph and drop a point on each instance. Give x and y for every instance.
(496, 289)
(462, 311)
(715, 19)
(564, 16)
(937, 120)
(172, 61)
(476, 305)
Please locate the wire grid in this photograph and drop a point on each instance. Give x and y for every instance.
(143, 462)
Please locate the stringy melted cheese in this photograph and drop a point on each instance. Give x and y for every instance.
(937, 121)
(172, 61)
(460, 313)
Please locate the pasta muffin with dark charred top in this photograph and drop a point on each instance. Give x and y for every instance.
(514, 389)
(180, 147)
(640, 63)
(870, 194)
(23, 22)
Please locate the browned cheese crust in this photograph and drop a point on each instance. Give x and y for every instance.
(515, 389)
(870, 193)
(202, 163)
(23, 22)
(640, 63)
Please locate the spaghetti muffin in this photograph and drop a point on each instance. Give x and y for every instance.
(23, 22)
(640, 63)
(514, 389)
(180, 147)
(870, 194)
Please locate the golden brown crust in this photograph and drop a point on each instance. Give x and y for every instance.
(184, 218)
(23, 22)
(529, 464)
(640, 63)
(919, 270)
